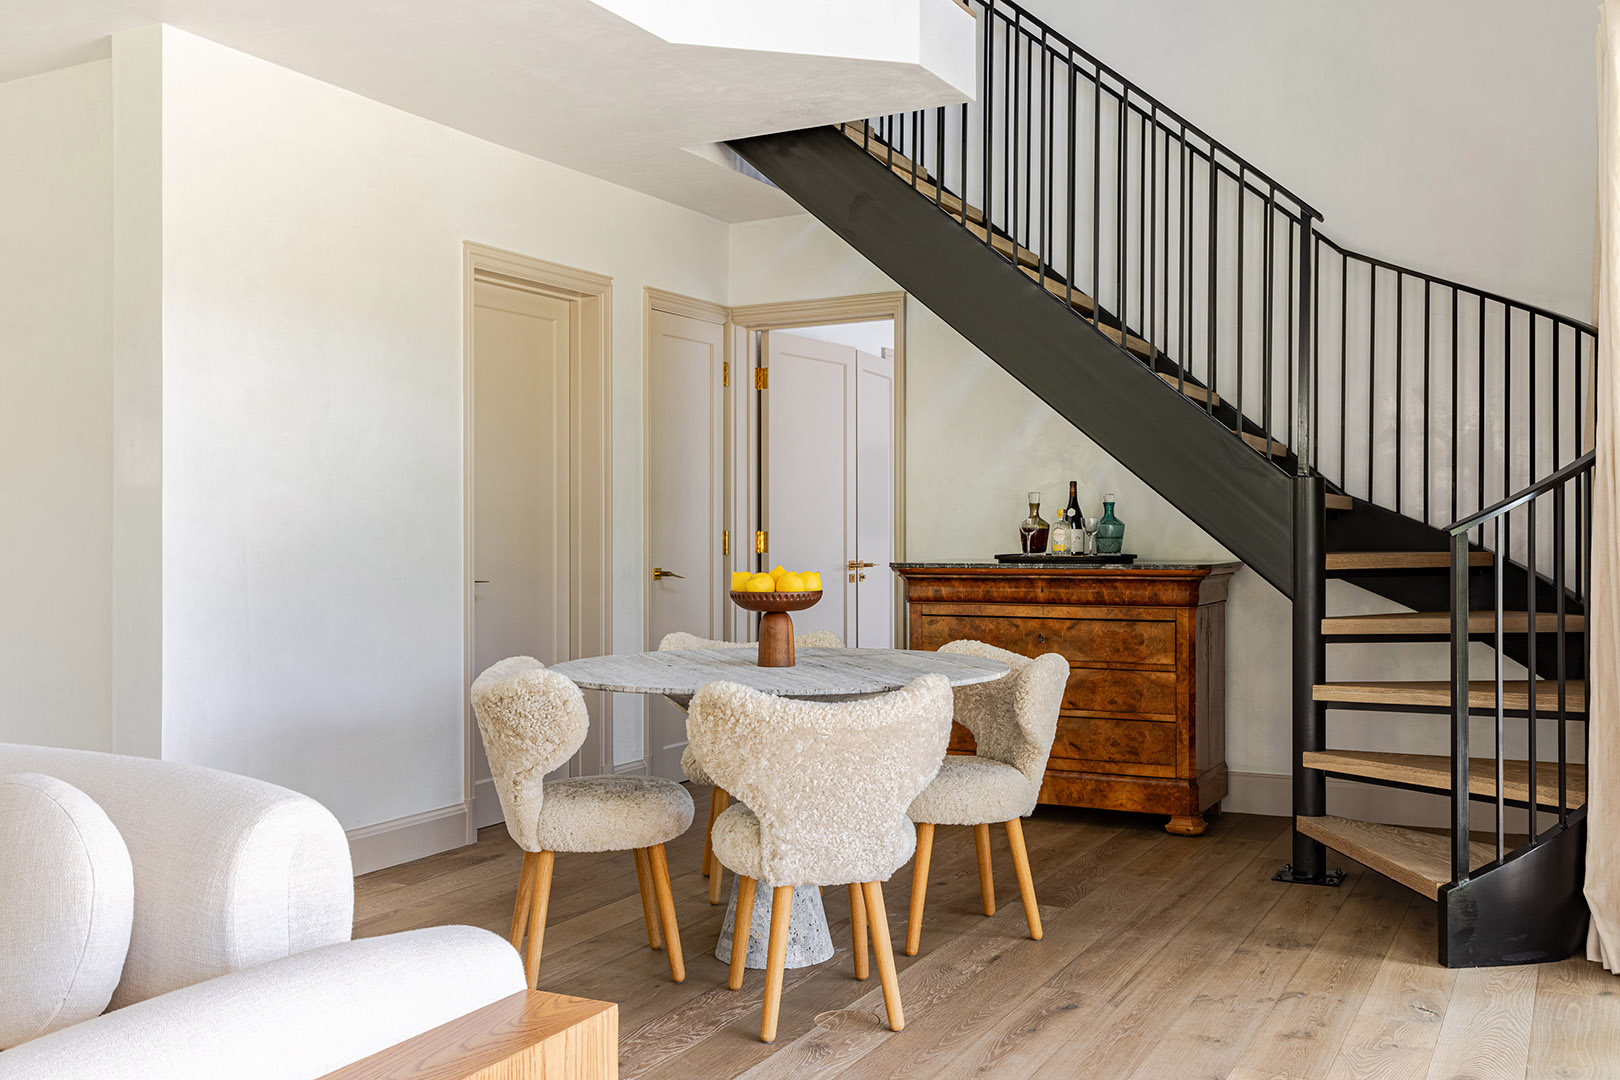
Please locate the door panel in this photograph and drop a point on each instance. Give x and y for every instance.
(810, 435)
(685, 502)
(875, 593)
(522, 347)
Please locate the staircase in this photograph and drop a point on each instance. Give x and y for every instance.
(1320, 412)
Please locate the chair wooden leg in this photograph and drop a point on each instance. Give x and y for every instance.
(775, 960)
(717, 803)
(1026, 883)
(919, 886)
(525, 896)
(987, 884)
(857, 929)
(659, 865)
(649, 906)
(741, 928)
(715, 794)
(537, 916)
(881, 946)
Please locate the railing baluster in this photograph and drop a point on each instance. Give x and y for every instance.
(1501, 780)
(1461, 866)
(1534, 631)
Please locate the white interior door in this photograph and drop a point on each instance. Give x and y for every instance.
(874, 484)
(808, 470)
(522, 348)
(685, 502)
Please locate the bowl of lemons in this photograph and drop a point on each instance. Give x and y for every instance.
(775, 594)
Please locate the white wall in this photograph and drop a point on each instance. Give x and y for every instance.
(312, 419)
(1455, 136)
(56, 250)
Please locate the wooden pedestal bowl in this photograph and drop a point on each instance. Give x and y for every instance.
(776, 627)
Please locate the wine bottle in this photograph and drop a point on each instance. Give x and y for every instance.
(1072, 511)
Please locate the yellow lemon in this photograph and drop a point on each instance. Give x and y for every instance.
(761, 583)
(812, 580)
(790, 582)
(778, 572)
(739, 580)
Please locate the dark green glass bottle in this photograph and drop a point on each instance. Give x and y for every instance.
(1110, 530)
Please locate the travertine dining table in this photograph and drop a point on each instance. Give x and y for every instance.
(819, 674)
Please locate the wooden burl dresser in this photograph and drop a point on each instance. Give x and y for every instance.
(1143, 725)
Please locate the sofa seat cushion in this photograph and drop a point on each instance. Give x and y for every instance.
(611, 813)
(69, 898)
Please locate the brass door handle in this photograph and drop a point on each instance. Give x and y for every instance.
(857, 565)
(659, 572)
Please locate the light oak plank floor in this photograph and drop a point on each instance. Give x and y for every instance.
(1164, 957)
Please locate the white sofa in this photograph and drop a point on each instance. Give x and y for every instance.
(239, 961)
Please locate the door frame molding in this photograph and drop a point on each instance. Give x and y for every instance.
(590, 534)
(748, 319)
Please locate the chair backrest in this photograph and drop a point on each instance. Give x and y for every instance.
(532, 720)
(829, 781)
(1013, 719)
(812, 639)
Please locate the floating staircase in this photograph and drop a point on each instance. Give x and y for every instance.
(1320, 412)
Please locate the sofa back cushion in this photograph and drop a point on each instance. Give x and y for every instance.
(69, 895)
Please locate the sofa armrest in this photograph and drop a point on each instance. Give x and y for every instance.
(297, 1018)
(230, 872)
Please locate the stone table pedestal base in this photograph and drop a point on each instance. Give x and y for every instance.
(809, 940)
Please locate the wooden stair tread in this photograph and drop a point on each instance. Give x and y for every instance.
(1438, 623)
(1260, 443)
(1437, 694)
(1433, 771)
(856, 130)
(1417, 859)
(1197, 393)
(1334, 501)
(1399, 560)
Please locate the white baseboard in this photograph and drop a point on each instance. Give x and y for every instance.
(1273, 795)
(389, 843)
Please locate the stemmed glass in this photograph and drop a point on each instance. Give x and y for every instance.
(1089, 526)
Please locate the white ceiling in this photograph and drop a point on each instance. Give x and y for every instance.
(567, 80)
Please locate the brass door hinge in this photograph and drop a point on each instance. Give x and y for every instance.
(762, 378)
(725, 541)
(762, 542)
(725, 373)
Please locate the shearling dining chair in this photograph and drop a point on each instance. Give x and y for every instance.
(692, 768)
(532, 720)
(1013, 721)
(823, 789)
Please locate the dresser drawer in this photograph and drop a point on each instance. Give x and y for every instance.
(1110, 690)
(1091, 641)
(1104, 738)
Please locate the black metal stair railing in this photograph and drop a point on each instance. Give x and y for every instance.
(1435, 398)
(1194, 260)
(1557, 548)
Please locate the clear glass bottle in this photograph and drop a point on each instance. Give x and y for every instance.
(1062, 538)
(1033, 531)
(1110, 530)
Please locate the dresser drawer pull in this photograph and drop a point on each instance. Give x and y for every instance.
(1040, 639)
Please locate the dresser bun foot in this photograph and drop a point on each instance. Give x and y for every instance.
(1185, 825)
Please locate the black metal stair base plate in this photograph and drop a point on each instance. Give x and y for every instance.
(1330, 878)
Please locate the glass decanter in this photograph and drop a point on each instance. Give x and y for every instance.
(1110, 530)
(1033, 531)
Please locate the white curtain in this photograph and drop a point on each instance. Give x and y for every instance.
(1603, 622)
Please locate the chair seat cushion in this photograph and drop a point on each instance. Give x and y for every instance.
(972, 790)
(737, 845)
(611, 813)
(693, 768)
